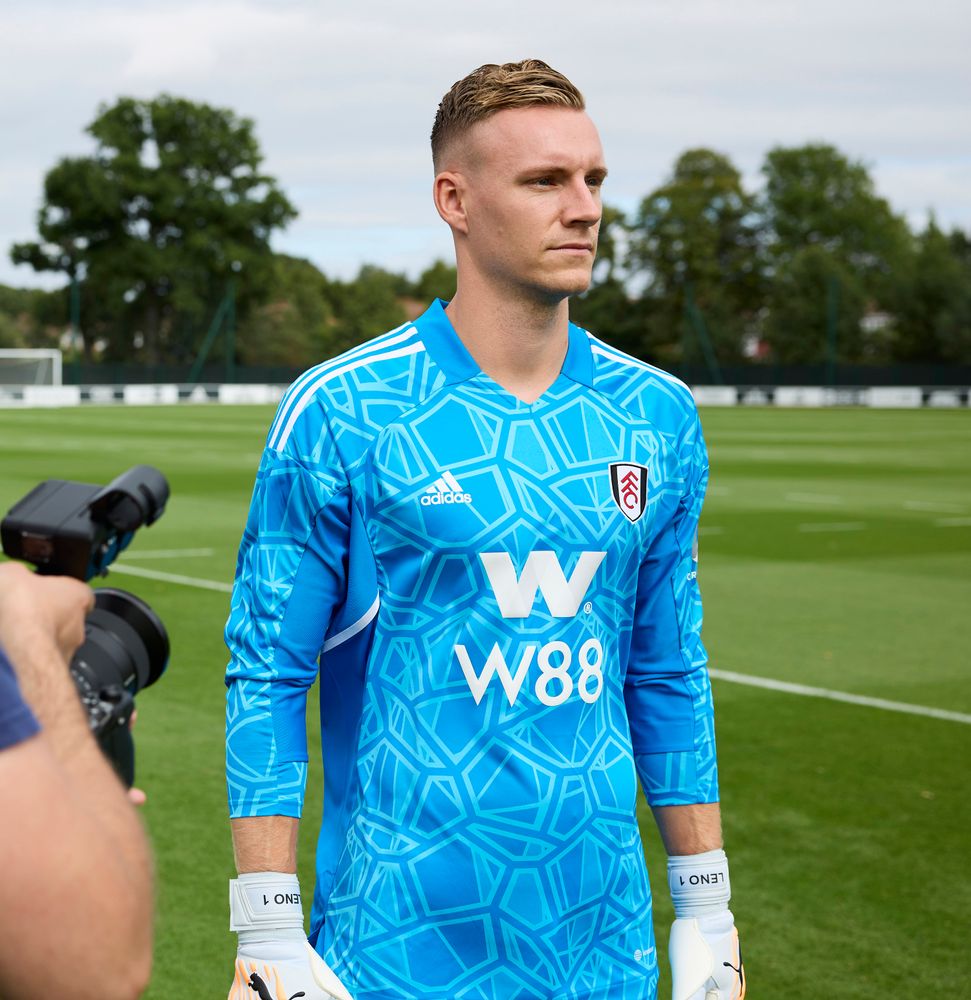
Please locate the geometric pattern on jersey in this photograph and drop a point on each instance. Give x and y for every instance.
(502, 654)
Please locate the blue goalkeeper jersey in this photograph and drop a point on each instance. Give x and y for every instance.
(500, 599)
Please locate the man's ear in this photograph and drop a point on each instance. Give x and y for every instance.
(449, 192)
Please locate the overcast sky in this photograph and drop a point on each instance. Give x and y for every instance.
(343, 96)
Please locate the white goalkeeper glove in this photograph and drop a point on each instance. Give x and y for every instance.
(274, 960)
(706, 960)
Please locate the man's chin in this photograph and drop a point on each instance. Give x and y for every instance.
(578, 286)
(568, 283)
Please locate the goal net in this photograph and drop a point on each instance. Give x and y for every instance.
(26, 366)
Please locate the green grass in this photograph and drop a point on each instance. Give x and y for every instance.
(836, 552)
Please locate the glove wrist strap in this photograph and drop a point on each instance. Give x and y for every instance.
(699, 883)
(266, 905)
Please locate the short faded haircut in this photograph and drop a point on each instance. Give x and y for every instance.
(492, 88)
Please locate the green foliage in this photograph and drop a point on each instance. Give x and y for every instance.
(170, 206)
(816, 196)
(15, 316)
(295, 325)
(367, 306)
(435, 282)
(308, 317)
(30, 317)
(608, 311)
(607, 308)
(696, 242)
(10, 334)
(936, 309)
(815, 306)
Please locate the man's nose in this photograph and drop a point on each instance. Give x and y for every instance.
(583, 206)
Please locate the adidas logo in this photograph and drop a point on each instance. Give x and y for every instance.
(445, 490)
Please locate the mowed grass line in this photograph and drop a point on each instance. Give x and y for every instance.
(839, 820)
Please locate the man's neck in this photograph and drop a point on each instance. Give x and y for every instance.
(520, 344)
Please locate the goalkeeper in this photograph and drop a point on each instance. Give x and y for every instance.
(478, 531)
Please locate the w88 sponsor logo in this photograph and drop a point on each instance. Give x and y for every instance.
(515, 595)
(555, 661)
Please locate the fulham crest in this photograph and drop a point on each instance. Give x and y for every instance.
(628, 483)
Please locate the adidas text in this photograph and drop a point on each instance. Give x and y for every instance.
(433, 499)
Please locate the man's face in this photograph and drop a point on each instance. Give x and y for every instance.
(533, 207)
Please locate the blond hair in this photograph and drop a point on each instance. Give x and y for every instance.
(493, 88)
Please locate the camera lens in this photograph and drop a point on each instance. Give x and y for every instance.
(125, 644)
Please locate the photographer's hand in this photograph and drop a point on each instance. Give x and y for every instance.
(41, 626)
(55, 606)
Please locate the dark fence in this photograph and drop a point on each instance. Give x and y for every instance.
(108, 373)
(826, 375)
(754, 374)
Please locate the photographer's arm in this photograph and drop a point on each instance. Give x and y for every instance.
(76, 910)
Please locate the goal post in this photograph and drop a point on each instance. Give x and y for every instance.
(30, 366)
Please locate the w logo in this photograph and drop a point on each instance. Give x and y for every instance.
(516, 595)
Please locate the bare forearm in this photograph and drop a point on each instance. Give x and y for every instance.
(64, 864)
(80, 852)
(88, 775)
(690, 829)
(265, 844)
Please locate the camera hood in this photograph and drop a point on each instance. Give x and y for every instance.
(134, 498)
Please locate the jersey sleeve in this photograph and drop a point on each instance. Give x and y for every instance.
(667, 688)
(290, 581)
(17, 722)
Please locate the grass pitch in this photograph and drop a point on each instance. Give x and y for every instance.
(835, 552)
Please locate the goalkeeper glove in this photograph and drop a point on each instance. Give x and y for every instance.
(274, 960)
(706, 960)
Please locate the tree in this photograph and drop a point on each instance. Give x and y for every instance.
(435, 282)
(816, 304)
(935, 321)
(816, 196)
(16, 316)
(295, 326)
(609, 309)
(696, 245)
(367, 306)
(171, 206)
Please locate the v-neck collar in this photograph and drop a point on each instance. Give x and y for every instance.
(451, 355)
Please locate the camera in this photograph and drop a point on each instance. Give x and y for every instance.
(75, 529)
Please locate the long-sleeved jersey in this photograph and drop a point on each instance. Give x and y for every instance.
(501, 601)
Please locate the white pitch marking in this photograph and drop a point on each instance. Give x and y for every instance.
(952, 522)
(188, 581)
(851, 699)
(826, 498)
(935, 506)
(169, 553)
(832, 526)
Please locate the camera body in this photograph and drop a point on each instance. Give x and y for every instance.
(76, 529)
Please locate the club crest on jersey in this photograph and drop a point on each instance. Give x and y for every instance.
(628, 484)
